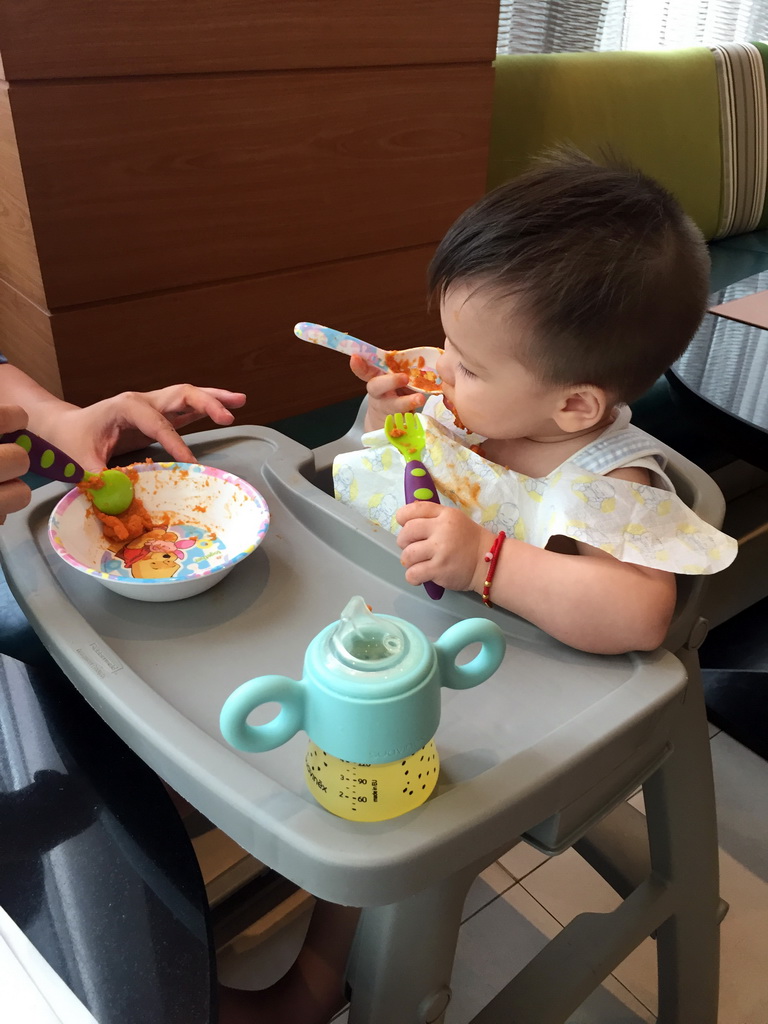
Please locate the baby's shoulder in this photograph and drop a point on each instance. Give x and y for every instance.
(635, 474)
(626, 451)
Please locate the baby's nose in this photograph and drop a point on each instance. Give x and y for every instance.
(444, 369)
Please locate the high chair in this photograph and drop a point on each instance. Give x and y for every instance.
(679, 826)
(542, 752)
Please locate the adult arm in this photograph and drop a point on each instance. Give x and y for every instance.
(120, 424)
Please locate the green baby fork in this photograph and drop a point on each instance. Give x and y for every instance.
(113, 490)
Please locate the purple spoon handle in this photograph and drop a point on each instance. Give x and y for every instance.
(45, 458)
(419, 486)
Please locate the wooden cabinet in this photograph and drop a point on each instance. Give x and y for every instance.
(180, 182)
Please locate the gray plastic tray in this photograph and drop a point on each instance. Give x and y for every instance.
(551, 724)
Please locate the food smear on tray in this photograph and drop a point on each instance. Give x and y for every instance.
(420, 375)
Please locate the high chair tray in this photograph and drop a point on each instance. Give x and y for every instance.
(551, 725)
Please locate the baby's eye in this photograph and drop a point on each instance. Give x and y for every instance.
(465, 371)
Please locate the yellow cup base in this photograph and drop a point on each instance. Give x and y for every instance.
(371, 792)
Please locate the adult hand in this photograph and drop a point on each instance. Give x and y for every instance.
(133, 419)
(14, 462)
(442, 544)
(387, 393)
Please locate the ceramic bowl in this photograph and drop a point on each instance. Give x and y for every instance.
(215, 521)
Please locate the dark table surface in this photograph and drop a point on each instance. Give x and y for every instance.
(722, 379)
(720, 395)
(95, 865)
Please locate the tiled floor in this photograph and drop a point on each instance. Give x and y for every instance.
(524, 899)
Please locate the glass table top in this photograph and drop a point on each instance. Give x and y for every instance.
(726, 363)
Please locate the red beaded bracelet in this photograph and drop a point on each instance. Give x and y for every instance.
(492, 557)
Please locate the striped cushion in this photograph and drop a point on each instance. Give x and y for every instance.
(743, 136)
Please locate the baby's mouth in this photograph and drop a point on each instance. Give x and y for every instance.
(452, 410)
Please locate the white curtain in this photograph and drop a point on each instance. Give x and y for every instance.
(551, 26)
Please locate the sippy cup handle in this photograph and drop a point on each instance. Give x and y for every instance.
(485, 662)
(246, 698)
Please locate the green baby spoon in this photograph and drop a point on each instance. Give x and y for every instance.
(113, 496)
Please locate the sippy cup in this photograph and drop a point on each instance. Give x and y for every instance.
(370, 703)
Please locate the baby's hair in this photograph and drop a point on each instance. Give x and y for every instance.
(610, 273)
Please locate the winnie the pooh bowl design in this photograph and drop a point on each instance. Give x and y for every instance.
(214, 520)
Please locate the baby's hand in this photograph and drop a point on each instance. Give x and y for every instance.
(387, 393)
(442, 544)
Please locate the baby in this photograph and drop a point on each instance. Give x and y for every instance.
(564, 295)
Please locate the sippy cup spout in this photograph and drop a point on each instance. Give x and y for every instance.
(366, 641)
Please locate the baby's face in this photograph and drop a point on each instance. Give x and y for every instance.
(492, 393)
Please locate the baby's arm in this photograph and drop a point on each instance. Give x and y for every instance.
(588, 600)
(591, 601)
(387, 393)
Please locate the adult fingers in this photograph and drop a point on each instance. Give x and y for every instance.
(178, 420)
(142, 415)
(12, 417)
(14, 496)
(190, 402)
(167, 436)
(232, 399)
(14, 461)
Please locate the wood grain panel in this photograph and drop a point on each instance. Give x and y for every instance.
(27, 338)
(240, 335)
(78, 38)
(138, 185)
(18, 257)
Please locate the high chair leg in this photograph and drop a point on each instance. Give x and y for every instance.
(682, 833)
(402, 958)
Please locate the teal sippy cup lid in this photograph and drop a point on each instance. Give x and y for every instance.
(365, 641)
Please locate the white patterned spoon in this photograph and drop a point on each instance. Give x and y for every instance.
(418, 363)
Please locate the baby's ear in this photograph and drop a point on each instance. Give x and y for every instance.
(582, 407)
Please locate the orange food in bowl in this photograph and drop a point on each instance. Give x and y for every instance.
(127, 526)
